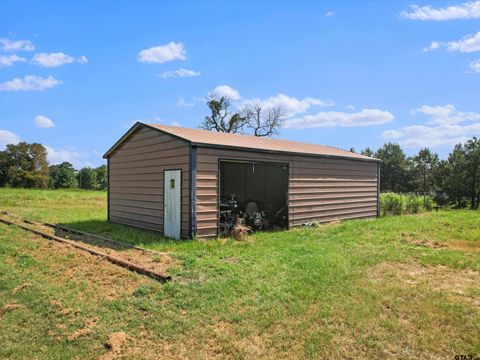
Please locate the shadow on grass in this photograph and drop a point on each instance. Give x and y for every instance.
(122, 233)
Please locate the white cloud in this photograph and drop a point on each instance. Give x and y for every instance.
(475, 66)
(8, 137)
(468, 43)
(416, 136)
(330, 13)
(225, 91)
(178, 73)
(433, 45)
(9, 60)
(468, 10)
(181, 102)
(446, 114)
(52, 59)
(163, 54)
(329, 119)
(16, 45)
(392, 134)
(56, 59)
(59, 156)
(289, 105)
(28, 83)
(444, 126)
(43, 122)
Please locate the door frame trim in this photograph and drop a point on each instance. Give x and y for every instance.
(181, 195)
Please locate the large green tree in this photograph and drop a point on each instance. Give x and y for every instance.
(455, 184)
(87, 178)
(102, 177)
(394, 169)
(4, 164)
(62, 176)
(25, 165)
(472, 159)
(424, 164)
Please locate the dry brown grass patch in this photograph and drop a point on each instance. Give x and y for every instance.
(459, 285)
(9, 307)
(115, 344)
(219, 340)
(20, 287)
(79, 333)
(70, 265)
(465, 245)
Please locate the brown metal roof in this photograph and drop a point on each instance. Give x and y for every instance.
(217, 139)
(213, 138)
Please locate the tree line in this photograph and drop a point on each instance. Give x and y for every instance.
(25, 165)
(455, 180)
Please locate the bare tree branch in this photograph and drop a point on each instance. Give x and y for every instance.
(260, 120)
(263, 121)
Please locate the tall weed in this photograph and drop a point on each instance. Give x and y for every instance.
(399, 204)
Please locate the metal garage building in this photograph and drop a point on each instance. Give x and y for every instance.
(172, 179)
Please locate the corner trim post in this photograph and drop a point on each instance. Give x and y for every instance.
(108, 189)
(378, 190)
(193, 191)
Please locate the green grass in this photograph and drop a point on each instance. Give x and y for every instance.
(402, 287)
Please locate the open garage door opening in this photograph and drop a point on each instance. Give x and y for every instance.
(253, 194)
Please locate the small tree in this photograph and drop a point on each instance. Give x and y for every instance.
(367, 152)
(102, 177)
(394, 169)
(222, 119)
(455, 181)
(424, 164)
(62, 176)
(87, 178)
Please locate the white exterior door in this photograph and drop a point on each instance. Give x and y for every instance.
(171, 203)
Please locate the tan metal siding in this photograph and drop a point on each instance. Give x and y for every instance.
(136, 179)
(320, 189)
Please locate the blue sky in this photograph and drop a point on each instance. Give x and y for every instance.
(75, 76)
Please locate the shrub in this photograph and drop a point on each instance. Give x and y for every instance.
(413, 203)
(391, 204)
(398, 204)
(429, 203)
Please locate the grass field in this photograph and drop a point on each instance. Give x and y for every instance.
(397, 287)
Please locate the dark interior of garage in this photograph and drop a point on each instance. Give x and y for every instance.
(254, 193)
